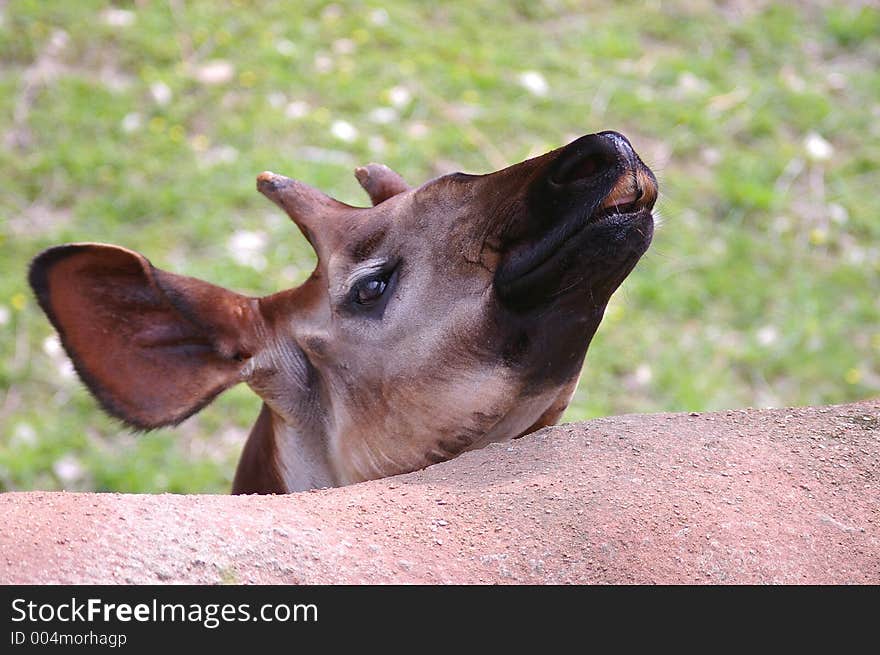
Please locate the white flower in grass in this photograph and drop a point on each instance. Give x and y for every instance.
(132, 122)
(818, 149)
(856, 256)
(117, 17)
(219, 155)
(296, 109)
(690, 84)
(710, 156)
(23, 435)
(383, 115)
(217, 71)
(643, 375)
(57, 42)
(837, 213)
(68, 469)
(64, 368)
(344, 46)
(417, 130)
(4, 314)
(344, 131)
(55, 352)
(767, 335)
(161, 93)
(399, 96)
(276, 99)
(52, 347)
(837, 81)
(285, 47)
(248, 248)
(226, 154)
(379, 17)
(535, 83)
(323, 63)
(331, 13)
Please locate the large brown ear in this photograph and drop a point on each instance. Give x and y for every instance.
(153, 347)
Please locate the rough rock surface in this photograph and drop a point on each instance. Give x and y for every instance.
(749, 496)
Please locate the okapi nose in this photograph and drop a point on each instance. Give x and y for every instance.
(587, 158)
(621, 143)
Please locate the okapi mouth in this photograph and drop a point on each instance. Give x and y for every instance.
(635, 191)
(589, 225)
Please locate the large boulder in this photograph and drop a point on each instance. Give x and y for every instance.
(746, 496)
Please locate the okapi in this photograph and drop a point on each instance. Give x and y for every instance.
(443, 318)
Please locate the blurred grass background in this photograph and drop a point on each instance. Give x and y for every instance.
(145, 124)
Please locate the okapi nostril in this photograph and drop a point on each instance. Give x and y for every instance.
(587, 167)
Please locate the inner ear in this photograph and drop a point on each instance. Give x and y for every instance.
(153, 347)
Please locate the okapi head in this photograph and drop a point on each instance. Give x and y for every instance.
(440, 319)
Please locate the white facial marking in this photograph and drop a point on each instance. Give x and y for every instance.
(302, 459)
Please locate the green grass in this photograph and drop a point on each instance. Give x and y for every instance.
(762, 286)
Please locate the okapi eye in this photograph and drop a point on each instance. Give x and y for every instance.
(370, 289)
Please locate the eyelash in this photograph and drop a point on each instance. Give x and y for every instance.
(359, 298)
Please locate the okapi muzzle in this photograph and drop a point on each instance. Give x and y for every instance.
(440, 319)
